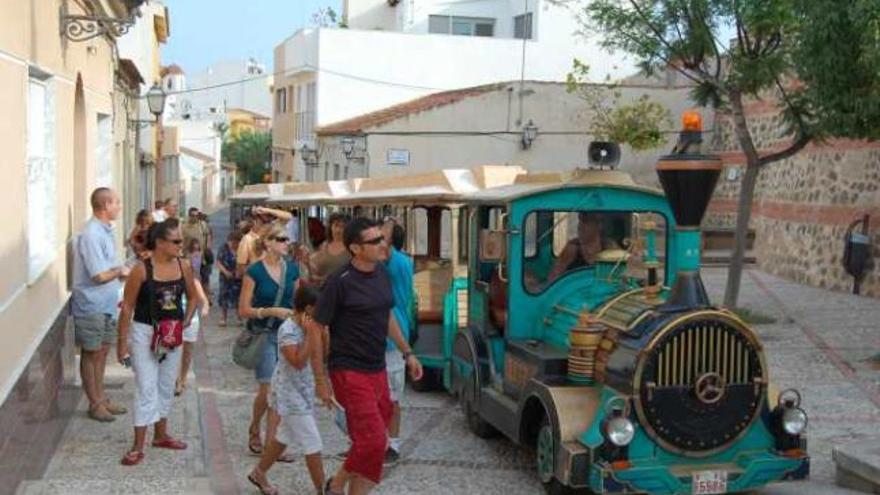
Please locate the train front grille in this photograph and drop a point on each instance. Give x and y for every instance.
(701, 384)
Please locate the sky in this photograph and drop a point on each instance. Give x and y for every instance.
(207, 31)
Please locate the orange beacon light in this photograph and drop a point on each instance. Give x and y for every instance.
(691, 120)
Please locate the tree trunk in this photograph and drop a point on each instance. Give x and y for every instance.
(746, 194)
(743, 214)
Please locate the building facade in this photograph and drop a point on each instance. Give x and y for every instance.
(478, 126)
(393, 52)
(142, 46)
(64, 132)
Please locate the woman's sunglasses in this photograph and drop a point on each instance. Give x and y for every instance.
(280, 239)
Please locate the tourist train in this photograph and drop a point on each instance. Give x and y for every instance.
(566, 312)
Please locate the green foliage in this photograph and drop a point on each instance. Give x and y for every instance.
(837, 57)
(832, 47)
(251, 153)
(638, 124)
(818, 58)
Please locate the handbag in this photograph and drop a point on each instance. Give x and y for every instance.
(167, 332)
(247, 350)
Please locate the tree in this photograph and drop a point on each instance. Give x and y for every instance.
(324, 17)
(818, 58)
(251, 153)
(639, 124)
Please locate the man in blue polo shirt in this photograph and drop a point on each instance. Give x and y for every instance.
(96, 284)
(400, 271)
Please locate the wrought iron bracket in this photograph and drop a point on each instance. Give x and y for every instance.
(85, 27)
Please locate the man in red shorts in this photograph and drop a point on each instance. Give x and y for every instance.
(356, 304)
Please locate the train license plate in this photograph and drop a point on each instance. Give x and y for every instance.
(707, 482)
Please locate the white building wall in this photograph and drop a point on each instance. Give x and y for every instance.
(362, 71)
(370, 14)
(550, 107)
(252, 95)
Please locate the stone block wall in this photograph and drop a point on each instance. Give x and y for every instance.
(803, 204)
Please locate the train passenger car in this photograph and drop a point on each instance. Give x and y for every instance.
(590, 337)
(430, 207)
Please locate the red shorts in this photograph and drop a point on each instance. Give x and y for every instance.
(368, 412)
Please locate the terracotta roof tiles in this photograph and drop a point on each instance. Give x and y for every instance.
(357, 124)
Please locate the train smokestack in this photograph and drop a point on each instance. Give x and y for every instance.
(688, 177)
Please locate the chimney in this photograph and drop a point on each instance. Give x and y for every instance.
(688, 177)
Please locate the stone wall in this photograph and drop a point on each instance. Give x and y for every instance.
(803, 204)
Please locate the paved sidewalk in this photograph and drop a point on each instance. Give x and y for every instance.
(819, 344)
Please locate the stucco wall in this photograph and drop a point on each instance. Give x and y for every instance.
(29, 37)
(803, 205)
(548, 105)
(364, 70)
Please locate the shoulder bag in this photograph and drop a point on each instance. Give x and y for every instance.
(247, 350)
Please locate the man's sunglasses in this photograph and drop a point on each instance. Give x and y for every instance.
(175, 241)
(280, 239)
(374, 241)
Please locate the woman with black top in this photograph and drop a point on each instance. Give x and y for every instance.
(154, 373)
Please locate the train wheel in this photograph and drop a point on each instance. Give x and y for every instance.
(479, 426)
(545, 457)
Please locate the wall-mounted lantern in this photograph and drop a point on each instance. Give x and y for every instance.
(309, 155)
(347, 146)
(530, 133)
(155, 102)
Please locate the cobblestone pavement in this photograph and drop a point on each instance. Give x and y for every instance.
(819, 344)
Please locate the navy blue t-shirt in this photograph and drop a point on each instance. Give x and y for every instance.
(355, 305)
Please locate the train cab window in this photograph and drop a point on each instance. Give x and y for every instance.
(559, 243)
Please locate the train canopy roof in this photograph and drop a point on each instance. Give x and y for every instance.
(529, 184)
(441, 186)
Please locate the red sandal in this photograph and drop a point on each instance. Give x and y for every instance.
(132, 458)
(169, 443)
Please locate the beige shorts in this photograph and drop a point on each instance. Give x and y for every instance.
(300, 433)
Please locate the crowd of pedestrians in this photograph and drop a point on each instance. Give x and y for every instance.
(329, 325)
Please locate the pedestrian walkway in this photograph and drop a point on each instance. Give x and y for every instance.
(820, 343)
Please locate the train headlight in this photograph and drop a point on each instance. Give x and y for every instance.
(794, 420)
(620, 431)
(791, 419)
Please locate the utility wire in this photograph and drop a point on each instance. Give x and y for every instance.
(298, 69)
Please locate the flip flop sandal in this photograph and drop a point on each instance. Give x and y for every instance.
(254, 443)
(328, 491)
(286, 457)
(169, 443)
(132, 458)
(266, 489)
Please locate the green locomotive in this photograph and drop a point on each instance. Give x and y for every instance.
(582, 328)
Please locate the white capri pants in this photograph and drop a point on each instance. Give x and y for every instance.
(154, 381)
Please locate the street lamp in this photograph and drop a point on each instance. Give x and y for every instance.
(530, 132)
(309, 155)
(156, 100)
